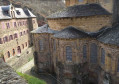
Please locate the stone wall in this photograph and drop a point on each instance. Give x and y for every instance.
(96, 69)
(43, 58)
(18, 61)
(21, 42)
(8, 75)
(107, 4)
(89, 24)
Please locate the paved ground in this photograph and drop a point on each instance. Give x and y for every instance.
(27, 69)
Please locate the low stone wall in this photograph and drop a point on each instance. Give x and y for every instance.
(8, 76)
(18, 61)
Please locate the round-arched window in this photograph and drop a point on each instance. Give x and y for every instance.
(68, 53)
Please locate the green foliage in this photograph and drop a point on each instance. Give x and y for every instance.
(31, 79)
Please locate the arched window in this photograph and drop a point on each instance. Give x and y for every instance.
(10, 37)
(26, 44)
(93, 53)
(8, 54)
(102, 56)
(68, 53)
(23, 46)
(54, 46)
(118, 65)
(84, 51)
(41, 47)
(13, 52)
(1, 41)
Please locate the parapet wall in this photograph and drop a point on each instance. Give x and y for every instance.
(8, 75)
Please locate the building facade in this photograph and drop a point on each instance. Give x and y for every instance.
(15, 25)
(80, 44)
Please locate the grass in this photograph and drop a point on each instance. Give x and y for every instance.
(31, 79)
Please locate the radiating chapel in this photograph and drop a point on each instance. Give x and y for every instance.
(80, 43)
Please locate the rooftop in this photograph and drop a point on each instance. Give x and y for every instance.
(110, 36)
(43, 29)
(71, 33)
(80, 10)
(5, 12)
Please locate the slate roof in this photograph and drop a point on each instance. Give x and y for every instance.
(24, 13)
(99, 32)
(43, 29)
(3, 15)
(29, 13)
(80, 10)
(71, 33)
(110, 36)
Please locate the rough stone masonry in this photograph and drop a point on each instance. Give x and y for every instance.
(8, 75)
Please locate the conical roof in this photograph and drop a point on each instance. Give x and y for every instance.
(71, 33)
(110, 36)
(43, 29)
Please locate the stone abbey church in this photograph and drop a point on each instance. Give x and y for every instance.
(80, 43)
(15, 27)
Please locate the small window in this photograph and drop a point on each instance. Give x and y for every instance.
(93, 53)
(54, 45)
(20, 23)
(23, 46)
(41, 46)
(24, 32)
(13, 52)
(10, 37)
(1, 41)
(5, 39)
(15, 35)
(20, 33)
(84, 52)
(7, 25)
(68, 53)
(102, 56)
(8, 54)
(15, 24)
(18, 12)
(6, 12)
(26, 44)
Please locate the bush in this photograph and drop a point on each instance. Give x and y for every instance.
(31, 79)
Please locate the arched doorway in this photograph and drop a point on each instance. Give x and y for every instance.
(19, 49)
(13, 52)
(8, 53)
